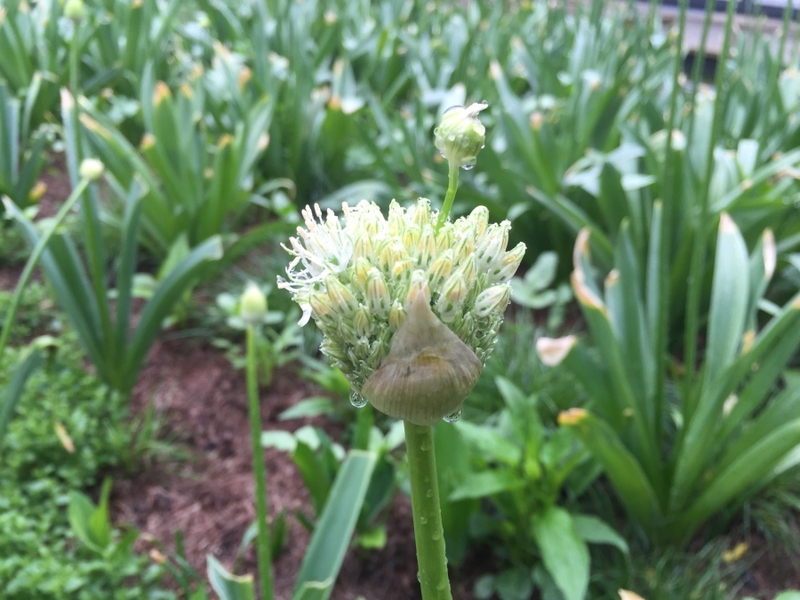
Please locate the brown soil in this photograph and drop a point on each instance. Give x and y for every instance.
(210, 498)
(55, 177)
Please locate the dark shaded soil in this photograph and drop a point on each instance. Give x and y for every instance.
(210, 497)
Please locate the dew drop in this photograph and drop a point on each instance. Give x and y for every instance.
(435, 535)
(423, 520)
(357, 400)
(429, 493)
(425, 445)
(469, 164)
(453, 417)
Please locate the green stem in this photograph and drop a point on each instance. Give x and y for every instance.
(38, 249)
(452, 186)
(259, 470)
(427, 513)
(73, 59)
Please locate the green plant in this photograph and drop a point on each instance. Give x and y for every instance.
(116, 353)
(196, 183)
(319, 459)
(680, 455)
(325, 552)
(531, 291)
(21, 151)
(273, 347)
(36, 55)
(522, 467)
(69, 429)
(372, 285)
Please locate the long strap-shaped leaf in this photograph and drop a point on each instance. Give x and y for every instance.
(748, 468)
(13, 392)
(162, 301)
(622, 468)
(331, 538)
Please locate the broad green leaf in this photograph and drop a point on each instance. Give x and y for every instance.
(228, 586)
(79, 513)
(331, 538)
(564, 553)
(489, 444)
(310, 407)
(596, 531)
(514, 584)
(481, 485)
(788, 595)
(280, 440)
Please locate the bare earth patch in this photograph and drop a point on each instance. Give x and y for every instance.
(210, 498)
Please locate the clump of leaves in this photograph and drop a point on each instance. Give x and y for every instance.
(68, 429)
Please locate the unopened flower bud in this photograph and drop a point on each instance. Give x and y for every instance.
(91, 169)
(441, 268)
(426, 247)
(418, 285)
(480, 217)
(252, 305)
(75, 10)
(490, 251)
(342, 298)
(461, 135)
(377, 293)
(397, 314)
(493, 300)
(508, 265)
(454, 292)
(361, 321)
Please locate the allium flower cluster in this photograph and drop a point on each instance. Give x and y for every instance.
(358, 278)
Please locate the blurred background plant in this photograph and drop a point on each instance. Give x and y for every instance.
(222, 118)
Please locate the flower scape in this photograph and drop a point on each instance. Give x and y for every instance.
(409, 312)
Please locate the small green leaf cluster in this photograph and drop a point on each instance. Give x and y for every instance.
(522, 467)
(69, 429)
(319, 459)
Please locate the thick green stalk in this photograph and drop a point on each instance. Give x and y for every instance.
(34, 259)
(428, 532)
(259, 471)
(452, 186)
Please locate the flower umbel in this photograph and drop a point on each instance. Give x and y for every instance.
(362, 278)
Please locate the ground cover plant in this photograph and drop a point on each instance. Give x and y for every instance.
(657, 199)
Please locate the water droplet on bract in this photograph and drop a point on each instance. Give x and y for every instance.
(423, 520)
(453, 417)
(425, 446)
(357, 400)
(469, 164)
(429, 493)
(435, 535)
